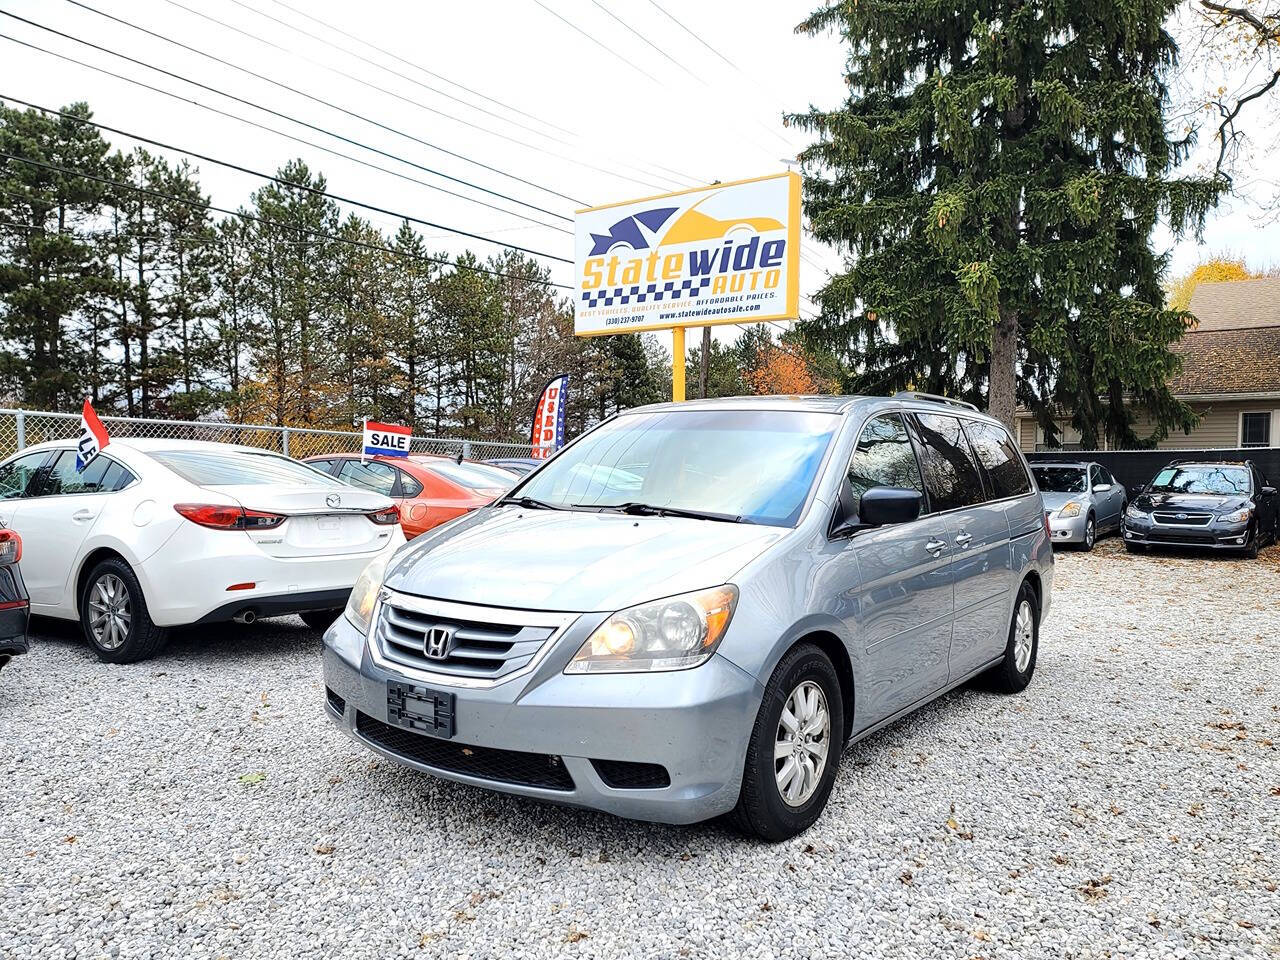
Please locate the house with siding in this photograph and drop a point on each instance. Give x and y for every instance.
(1230, 372)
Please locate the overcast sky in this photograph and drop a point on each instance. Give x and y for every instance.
(554, 104)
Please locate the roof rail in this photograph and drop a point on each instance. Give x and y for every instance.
(936, 398)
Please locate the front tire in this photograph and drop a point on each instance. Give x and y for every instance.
(1250, 552)
(114, 617)
(1014, 672)
(1090, 533)
(795, 747)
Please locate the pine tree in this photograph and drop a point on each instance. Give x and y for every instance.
(995, 176)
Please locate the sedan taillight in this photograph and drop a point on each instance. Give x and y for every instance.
(385, 517)
(218, 516)
(10, 546)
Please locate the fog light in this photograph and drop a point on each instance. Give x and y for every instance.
(1239, 539)
(1128, 534)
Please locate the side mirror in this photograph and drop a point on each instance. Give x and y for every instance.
(885, 505)
(1102, 488)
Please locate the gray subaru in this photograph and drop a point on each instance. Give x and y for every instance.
(694, 608)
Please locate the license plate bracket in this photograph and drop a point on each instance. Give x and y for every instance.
(420, 708)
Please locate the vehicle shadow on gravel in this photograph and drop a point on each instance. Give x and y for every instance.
(211, 643)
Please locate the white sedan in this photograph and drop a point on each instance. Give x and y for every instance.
(158, 533)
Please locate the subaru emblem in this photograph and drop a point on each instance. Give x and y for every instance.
(1182, 516)
(435, 643)
(333, 501)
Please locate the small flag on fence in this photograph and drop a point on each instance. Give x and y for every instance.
(93, 437)
(548, 417)
(386, 439)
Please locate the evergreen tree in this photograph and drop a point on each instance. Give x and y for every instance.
(48, 267)
(995, 175)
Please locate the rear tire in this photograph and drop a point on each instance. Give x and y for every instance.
(320, 620)
(114, 617)
(1014, 672)
(805, 675)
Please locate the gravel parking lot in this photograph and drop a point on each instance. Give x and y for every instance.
(1126, 805)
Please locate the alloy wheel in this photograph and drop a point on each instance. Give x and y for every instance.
(1024, 635)
(803, 739)
(109, 611)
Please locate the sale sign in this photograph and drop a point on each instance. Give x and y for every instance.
(386, 439)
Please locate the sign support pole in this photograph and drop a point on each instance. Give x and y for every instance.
(677, 364)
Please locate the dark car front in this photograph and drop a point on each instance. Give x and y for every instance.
(14, 605)
(1195, 505)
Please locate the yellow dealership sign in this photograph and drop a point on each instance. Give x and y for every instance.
(728, 253)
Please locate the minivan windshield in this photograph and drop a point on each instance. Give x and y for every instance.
(1060, 479)
(751, 465)
(1202, 478)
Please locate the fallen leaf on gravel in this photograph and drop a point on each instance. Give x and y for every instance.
(1096, 889)
(765, 906)
(906, 876)
(249, 779)
(324, 849)
(981, 935)
(1247, 924)
(574, 935)
(1060, 859)
(70, 839)
(1195, 809)
(951, 824)
(1275, 791)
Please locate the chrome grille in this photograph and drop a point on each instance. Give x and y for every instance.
(1185, 520)
(485, 644)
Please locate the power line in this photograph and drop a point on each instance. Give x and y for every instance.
(577, 29)
(410, 101)
(249, 103)
(656, 169)
(626, 26)
(408, 63)
(286, 183)
(289, 136)
(320, 100)
(68, 171)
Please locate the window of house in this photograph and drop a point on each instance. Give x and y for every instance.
(1255, 429)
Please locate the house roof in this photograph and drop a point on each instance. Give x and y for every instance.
(1238, 303)
(1225, 361)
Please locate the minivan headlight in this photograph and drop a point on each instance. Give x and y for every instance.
(365, 594)
(1071, 509)
(675, 633)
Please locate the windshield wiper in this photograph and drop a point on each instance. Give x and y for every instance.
(649, 510)
(529, 503)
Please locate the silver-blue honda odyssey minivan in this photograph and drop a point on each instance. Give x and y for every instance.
(693, 608)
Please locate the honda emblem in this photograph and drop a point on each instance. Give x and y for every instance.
(435, 643)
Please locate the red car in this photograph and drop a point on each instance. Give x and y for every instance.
(429, 490)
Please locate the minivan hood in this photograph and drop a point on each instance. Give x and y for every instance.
(573, 560)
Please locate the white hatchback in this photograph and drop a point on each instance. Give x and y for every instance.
(160, 533)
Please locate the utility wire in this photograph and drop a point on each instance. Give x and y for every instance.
(255, 106)
(409, 100)
(289, 136)
(286, 183)
(680, 177)
(408, 63)
(266, 221)
(320, 100)
(632, 30)
(577, 29)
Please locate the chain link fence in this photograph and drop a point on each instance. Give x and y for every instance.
(22, 428)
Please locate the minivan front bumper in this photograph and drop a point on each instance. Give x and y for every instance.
(666, 747)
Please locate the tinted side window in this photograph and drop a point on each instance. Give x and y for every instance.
(950, 472)
(64, 480)
(371, 475)
(409, 486)
(884, 458)
(16, 475)
(1001, 464)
